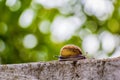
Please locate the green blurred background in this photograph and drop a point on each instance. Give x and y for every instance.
(35, 30)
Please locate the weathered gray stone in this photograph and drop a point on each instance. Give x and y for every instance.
(88, 69)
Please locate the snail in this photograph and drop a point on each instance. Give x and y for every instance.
(71, 53)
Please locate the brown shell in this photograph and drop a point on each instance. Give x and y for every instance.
(70, 50)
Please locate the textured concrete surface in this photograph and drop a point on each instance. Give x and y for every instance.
(88, 69)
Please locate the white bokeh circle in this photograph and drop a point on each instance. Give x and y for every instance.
(29, 41)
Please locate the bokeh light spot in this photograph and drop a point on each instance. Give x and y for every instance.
(113, 25)
(42, 56)
(51, 4)
(10, 3)
(3, 28)
(84, 32)
(44, 26)
(108, 41)
(91, 25)
(116, 53)
(63, 28)
(101, 54)
(29, 41)
(26, 18)
(13, 5)
(2, 46)
(102, 9)
(91, 44)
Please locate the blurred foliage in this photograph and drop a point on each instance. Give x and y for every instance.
(11, 34)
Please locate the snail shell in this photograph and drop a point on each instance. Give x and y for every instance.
(71, 52)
